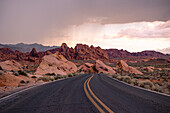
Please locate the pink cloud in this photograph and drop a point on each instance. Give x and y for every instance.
(143, 30)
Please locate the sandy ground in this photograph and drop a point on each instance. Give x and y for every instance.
(4, 91)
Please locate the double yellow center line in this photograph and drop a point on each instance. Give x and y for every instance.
(86, 83)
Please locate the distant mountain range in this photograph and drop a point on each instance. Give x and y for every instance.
(79, 52)
(165, 50)
(27, 47)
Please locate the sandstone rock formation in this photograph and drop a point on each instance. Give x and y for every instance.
(81, 52)
(97, 67)
(149, 69)
(86, 67)
(10, 65)
(34, 53)
(100, 67)
(56, 63)
(122, 66)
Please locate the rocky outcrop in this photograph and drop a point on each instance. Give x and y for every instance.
(7, 54)
(149, 68)
(115, 53)
(10, 65)
(55, 63)
(82, 52)
(33, 56)
(122, 66)
(34, 53)
(97, 67)
(86, 67)
(100, 67)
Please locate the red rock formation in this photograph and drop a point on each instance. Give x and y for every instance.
(34, 53)
(123, 67)
(115, 53)
(6, 54)
(97, 67)
(83, 52)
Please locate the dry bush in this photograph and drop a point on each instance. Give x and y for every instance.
(134, 82)
(146, 84)
(119, 77)
(45, 79)
(127, 79)
(115, 75)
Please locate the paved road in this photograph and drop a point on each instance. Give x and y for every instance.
(86, 94)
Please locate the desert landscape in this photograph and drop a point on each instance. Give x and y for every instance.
(84, 56)
(146, 69)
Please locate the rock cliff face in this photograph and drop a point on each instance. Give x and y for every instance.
(55, 63)
(83, 52)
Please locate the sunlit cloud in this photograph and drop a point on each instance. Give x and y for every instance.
(155, 29)
(136, 36)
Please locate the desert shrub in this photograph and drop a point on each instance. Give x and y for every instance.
(1, 68)
(12, 71)
(27, 82)
(126, 79)
(52, 78)
(51, 74)
(115, 75)
(119, 77)
(158, 83)
(135, 82)
(15, 73)
(75, 74)
(165, 80)
(146, 84)
(141, 84)
(22, 73)
(33, 77)
(1, 73)
(158, 88)
(57, 77)
(65, 76)
(166, 91)
(22, 81)
(45, 79)
(69, 75)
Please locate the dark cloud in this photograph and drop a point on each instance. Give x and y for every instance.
(35, 20)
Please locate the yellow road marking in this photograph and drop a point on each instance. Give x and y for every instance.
(90, 98)
(97, 99)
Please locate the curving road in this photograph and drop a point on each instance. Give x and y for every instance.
(85, 94)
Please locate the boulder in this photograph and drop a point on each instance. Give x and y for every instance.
(149, 69)
(100, 67)
(56, 63)
(122, 65)
(10, 65)
(86, 67)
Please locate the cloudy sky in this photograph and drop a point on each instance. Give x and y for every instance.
(134, 25)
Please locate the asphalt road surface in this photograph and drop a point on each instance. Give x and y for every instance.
(86, 94)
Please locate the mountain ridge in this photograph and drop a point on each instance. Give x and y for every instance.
(79, 52)
(22, 47)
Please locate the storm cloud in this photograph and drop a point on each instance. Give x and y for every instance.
(46, 21)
